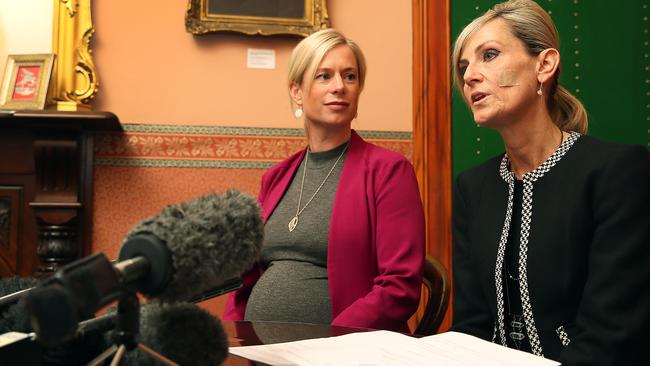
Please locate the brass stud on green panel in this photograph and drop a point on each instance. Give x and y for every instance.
(576, 40)
(647, 67)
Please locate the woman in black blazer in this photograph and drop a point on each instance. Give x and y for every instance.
(552, 238)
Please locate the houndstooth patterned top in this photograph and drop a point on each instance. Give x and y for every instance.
(527, 208)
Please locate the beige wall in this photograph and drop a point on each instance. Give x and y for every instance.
(152, 71)
(25, 27)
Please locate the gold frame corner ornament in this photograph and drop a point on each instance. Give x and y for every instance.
(74, 79)
(199, 21)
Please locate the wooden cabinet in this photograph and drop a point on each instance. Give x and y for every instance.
(46, 187)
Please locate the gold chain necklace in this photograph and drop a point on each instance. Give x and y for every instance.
(294, 221)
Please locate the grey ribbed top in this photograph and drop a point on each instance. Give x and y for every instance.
(294, 286)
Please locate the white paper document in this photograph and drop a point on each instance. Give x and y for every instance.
(391, 349)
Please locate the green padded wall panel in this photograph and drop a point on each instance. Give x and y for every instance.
(605, 63)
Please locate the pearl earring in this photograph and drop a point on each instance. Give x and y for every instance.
(298, 112)
(539, 90)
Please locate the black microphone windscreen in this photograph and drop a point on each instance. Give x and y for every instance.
(53, 314)
(14, 316)
(212, 239)
(182, 332)
(13, 284)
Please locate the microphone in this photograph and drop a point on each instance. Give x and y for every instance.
(228, 286)
(183, 251)
(183, 332)
(12, 313)
(18, 345)
(108, 321)
(212, 239)
(89, 339)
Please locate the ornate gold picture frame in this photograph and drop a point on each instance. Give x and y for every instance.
(264, 17)
(25, 81)
(74, 78)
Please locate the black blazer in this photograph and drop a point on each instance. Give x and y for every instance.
(588, 259)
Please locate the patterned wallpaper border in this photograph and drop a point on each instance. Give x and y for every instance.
(165, 163)
(174, 146)
(252, 131)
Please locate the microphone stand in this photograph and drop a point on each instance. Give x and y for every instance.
(128, 327)
(13, 298)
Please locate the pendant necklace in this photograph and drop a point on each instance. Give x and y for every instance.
(294, 221)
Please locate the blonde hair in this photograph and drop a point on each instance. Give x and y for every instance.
(535, 28)
(309, 53)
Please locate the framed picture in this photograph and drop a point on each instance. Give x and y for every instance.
(25, 81)
(264, 17)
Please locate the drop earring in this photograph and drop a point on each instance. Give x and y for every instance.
(539, 90)
(298, 112)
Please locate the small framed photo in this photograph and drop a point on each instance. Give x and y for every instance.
(25, 81)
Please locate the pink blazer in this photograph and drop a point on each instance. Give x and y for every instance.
(376, 241)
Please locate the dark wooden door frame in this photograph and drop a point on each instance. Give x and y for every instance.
(432, 124)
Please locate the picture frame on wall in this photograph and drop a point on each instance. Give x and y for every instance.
(26, 80)
(263, 17)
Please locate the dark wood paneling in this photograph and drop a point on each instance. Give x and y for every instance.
(15, 259)
(432, 124)
(10, 220)
(20, 157)
(50, 164)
